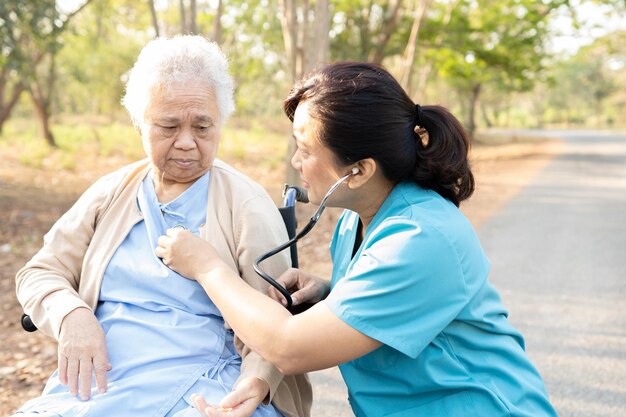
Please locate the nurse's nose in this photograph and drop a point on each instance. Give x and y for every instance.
(295, 160)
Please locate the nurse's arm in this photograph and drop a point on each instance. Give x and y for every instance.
(315, 339)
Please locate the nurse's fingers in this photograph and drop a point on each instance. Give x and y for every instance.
(164, 241)
(276, 295)
(290, 278)
(206, 409)
(161, 252)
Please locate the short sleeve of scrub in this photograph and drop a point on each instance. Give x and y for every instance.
(403, 286)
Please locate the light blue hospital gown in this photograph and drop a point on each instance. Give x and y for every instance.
(166, 340)
(418, 284)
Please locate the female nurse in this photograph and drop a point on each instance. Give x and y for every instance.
(409, 314)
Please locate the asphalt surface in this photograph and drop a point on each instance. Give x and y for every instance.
(558, 254)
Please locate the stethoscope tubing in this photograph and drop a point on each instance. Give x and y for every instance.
(305, 230)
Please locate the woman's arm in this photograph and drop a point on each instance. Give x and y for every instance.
(315, 339)
(47, 288)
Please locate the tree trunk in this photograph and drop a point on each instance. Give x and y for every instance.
(217, 25)
(289, 25)
(44, 119)
(183, 17)
(408, 58)
(42, 98)
(365, 37)
(485, 114)
(155, 21)
(192, 17)
(471, 113)
(305, 48)
(6, 109)
(389, 25)
(419, 94)
(320, 42)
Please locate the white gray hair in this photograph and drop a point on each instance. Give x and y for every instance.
(179, 59)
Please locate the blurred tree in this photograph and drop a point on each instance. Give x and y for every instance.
(11, 85)
(155, 19)
(441, 15)
(305, 27)
(581, 87)
(500, 42)
(364, 30)
(31, 35)
(217, 25)
(100, 48)
(188, 17)
(408, 57)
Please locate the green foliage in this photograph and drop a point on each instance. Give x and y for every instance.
(26, 29)
(499, 45)
(501, 42)
(357, 29)
(590, 84)
(242, 140)
(253, 40)
(98, 55)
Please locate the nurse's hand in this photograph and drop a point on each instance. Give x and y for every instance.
(241, 402)
(186, 253)
(82, 351)
(304, 287)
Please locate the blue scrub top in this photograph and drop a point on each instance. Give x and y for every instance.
(418, 284)
(166, 339)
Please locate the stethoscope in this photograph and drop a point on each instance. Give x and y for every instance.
(305, 230)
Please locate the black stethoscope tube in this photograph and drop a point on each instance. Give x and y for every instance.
(306, 229)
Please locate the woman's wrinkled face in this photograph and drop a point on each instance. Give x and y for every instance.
(181, 130)
(315, 162)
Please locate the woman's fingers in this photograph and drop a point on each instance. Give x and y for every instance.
(72, 374)
(62, 364)
(84, 378)
(101, 366)
(82, 352)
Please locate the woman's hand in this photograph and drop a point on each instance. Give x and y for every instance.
(241, 402)
(306, 288)
(82, 350)
(186, 253)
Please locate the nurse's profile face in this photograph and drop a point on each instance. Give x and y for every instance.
(315, 162)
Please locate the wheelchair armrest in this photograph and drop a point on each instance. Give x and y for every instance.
(27, 324)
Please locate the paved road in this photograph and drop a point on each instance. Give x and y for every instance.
(558, 253)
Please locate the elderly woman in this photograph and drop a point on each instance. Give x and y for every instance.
(134, 337)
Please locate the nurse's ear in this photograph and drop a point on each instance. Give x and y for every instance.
(362, 172)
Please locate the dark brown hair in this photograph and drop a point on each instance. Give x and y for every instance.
(364, 113)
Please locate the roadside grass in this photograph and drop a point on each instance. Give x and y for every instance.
(256, 146)
(84, 142)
